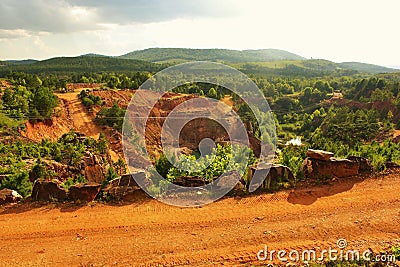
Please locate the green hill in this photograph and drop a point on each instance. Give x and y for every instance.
(173, 55)
(82, 64)
(363, 67)
(21, 62)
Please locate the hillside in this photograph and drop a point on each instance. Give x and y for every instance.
(363, 67)
(310, 68)
(273, 61)
(21, 62)
(262, 62)
(220, 55)
(89, 64)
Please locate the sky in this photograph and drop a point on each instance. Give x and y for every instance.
(337, 30)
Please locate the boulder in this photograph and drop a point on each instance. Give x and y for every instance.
(44, 190)
(340, 168)
(364, 164)
(319, 154)
(273, 173)
(9, 196)
(126, 185)
(94, 168)
(86, 192)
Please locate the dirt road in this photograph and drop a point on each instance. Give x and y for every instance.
(230, 231)
(82, 122)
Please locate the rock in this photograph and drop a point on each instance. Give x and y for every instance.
(94, 168)
(228, 179)
(190, 181)
(63, 171)
(315, 168)
(44, 190)
(9, 196)
(126, 185)
(319, 154)
(390, 165)
(84, 192)
(364, 164)
(273, 173)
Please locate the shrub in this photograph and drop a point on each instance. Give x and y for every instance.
(19, 182)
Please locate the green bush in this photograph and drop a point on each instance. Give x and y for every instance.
(19, 182)
(293, 157)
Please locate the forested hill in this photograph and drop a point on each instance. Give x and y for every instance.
(221, 55)
(90, 64)
(259, 62)
(363, 67)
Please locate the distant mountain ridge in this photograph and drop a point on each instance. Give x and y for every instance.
(262, 61)
(85, 63)
(220, 55)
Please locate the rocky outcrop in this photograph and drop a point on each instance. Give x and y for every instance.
(94, 168)
(315, 166)
(273, 173)
(84, 192)
(126, 185)
(319, 154)
(63, 171)
(44, 190)
(364, 164)
(9, 196)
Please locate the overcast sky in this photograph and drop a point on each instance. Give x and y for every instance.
(339, 30)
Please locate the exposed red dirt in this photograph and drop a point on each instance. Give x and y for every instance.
(5, 84)
(230, 232)
(77, 86)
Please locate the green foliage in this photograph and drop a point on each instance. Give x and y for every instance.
(73, 181)
(293, 157)
(43, 103)
(111, 174)
(396, 252)
(90, 100)
(16, 101)
(113, 117)
(18, 181)
(211, 166)
(102, 144)
(120, 166)
(163, 165)
(82, 64)
(225, 55)
(350, 127)
(39, 170)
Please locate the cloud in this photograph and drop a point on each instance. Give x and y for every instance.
(145, 11)
(46, 16)
(13, 34)
(65, 16)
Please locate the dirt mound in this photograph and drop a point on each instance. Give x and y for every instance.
(51, 129)
(230, 232)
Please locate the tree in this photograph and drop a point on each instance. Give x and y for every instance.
(43, 102)
(120, 166)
